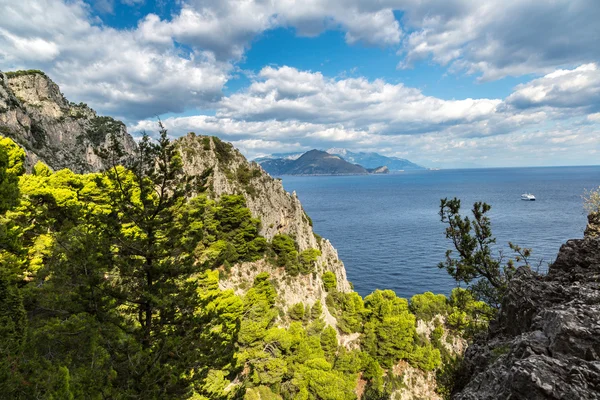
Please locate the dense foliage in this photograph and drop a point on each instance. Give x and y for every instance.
(109, 289)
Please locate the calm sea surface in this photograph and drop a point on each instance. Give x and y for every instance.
(387, 230)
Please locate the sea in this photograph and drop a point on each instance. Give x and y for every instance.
(388, 232)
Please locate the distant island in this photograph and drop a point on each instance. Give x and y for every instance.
(335, 161)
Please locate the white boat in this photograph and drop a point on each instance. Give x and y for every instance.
(527, 197)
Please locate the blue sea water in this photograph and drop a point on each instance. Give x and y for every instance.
(387, 230)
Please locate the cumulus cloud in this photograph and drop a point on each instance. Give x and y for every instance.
(493, 38)
(184, 62)
(120, 72)
(289, 94)
(226, 27)
(502, 37)
(285, 109)
(564, 88)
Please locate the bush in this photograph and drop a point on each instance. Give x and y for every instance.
(286, 252)
(308, 258)
(329, 281)
(102, 127)
(285, 249)
(206, 143)
(426, 358)
(224, 151)
(427, 305)
(14, 74)
(297, 312)
(316, 310)
(329, 343)
(468, 316)
(389, 329)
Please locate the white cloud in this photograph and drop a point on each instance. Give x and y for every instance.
(496, 38)
(124, 73)
(289, 94)
(285, 109)
(183, 62)
(579, 87)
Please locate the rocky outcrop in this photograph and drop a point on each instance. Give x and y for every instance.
(417, 384)
(545, 343)
(35, 114)
(279, 211)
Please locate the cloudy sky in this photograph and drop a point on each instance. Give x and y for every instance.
(445, 83)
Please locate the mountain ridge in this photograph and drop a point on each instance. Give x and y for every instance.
(313, 162)
(283, 163)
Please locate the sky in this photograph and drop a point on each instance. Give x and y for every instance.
(444, 83)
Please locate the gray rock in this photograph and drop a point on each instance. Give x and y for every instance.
(545, 343)
(35, 114)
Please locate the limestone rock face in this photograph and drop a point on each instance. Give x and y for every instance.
(546, 341)
(35, 114)
(279, 211)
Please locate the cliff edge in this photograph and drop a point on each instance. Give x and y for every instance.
(545, 343)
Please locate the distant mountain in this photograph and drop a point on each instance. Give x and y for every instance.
(374, 160)
(314, 162)
(379, 170)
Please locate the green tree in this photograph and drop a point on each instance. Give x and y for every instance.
(308, 259)
(427, 305)
(487, 276)
(13, 318)
(329, 343)
(12, 158)
(389, 329)
(297, 312)
(151, 266)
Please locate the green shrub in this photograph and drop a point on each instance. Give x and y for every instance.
(14, 74)
(427, 305)
(286, 252)
(348, 309)
(308, 258)
(309, 219)
(329, 343)
(206, 143)
(426, 358)
(389, 329)
(297, 311)
(467, 315)
(446, 377)
(329, 281)
(316, 310)
(224, 151)
(102, 127)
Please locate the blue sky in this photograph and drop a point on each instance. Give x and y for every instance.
(447, 83)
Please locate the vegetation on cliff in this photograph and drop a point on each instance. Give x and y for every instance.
(109, 288)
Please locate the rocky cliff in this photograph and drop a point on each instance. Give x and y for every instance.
(35, 114)
(545, 343)
(279, 211)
